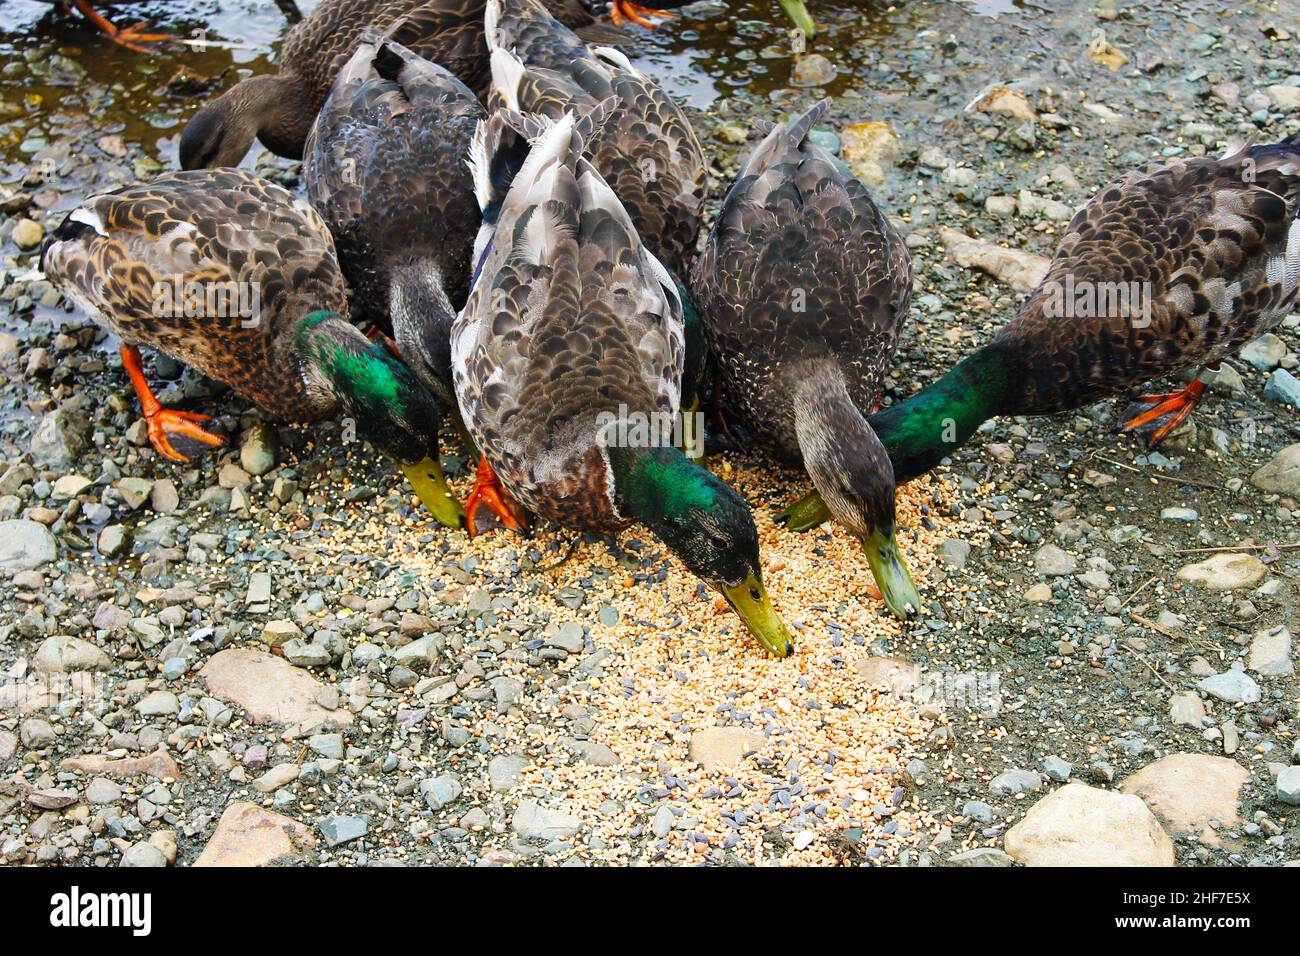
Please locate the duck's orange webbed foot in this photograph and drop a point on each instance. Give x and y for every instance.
(489, 495)
(131, 37)
(620, 10)
(165, 424)
(1154, 417)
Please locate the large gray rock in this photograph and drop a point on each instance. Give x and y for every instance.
(438, 792)
(1264, 353)
(59, 439)
(1012, 782)
(260, 450)
(1288, 786)
(1282, 474)
(1236, 687)
(25, 545)
(532, 821)
(143, 854)
(62, 654)
(1270, 653)
(504, 772)
(1054, 562)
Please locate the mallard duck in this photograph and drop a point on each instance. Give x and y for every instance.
(1172, 266)
(278, 109)
(385, 167)
(646, 151)
(568, 361)
(802, 287)
(233, 276)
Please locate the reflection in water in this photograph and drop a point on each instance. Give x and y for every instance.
(67, 72)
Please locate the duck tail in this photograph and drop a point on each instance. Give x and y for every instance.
(797, 130)
(492, 24)
(781, 139)
(507, 73)
(496, 154)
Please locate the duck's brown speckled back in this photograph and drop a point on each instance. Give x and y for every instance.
(1212, 244)
(121, 254)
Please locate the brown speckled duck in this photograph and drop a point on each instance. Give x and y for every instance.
(235, 277)
(802, 287)
(1173, 266)
(572, 330)
(279, 108)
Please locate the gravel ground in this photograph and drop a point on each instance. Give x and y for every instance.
(272, 657)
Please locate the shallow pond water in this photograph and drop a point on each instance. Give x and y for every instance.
(58, 69)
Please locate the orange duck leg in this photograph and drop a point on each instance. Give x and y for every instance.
(165, 422)
(130, 37)
(489, 494)
(620, 10)
(1154, 417)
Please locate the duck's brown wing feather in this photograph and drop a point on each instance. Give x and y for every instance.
(569, 318)
(449, 32)
(211, 267)
(385, 166)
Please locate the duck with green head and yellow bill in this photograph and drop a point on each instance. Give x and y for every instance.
(1207, 252)
(270, 321)
(802, 287)
(569, 356)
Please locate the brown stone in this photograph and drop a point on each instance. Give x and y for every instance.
(714, 748)
(269, 689)
(158, 764)
(1187, 791)
(247, 835)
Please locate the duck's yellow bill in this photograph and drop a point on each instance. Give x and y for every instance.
(429, 484)
(749, 599)
(892, 576)
(799, 14)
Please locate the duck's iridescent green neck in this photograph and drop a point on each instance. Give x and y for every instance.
(939, 419)
(658, 484)
(363, 371)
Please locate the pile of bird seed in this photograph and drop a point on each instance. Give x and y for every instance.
(656, 664)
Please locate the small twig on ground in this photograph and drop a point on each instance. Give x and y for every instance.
(1142, 587)
(1238, 547)
(1160, 677)
(1157, 476)
(1157, 627)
